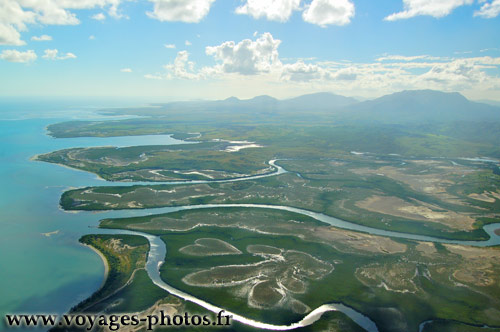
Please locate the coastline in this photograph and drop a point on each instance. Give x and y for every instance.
(146, 182)
(105, 262)
(35, 158)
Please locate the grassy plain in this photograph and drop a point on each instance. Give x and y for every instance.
(444, 198)
(448, 282)
(132, 292)
(204, 161)
(124, 254)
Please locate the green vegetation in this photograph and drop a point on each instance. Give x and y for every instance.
(314, 137)
(124, 255)
(387, 287)
(452, 326)
(420, 196)
(138, 295)
(264, 221)
(204, 161)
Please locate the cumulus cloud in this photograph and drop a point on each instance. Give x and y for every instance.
(457, 73)
(187, 43)
(10, 36)
(182, 67)
(16, 15)
(41, 38)
(489, 10)
(395, 72)
(17, 56)
(126, 70)
(273, 10)
(172, 46)
(432, 8)
(247, 57)
(329, 12)
(53, 54)
(301, 72)
(319, 12)
(322, 72)
(99, 17)
(188, 11)
(256, 61)
(12, 20)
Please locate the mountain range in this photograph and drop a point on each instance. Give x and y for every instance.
(406, 107)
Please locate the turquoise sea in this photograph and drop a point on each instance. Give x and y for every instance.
(38, 273)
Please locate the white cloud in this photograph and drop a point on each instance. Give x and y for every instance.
(489, 10)
(67, 56)
(256, 64)
(41, 38)
(182, 67)
(52, 54)
(475, 75)
(301, 72)
(188, 11)
(10, 36)
(99, 17)
(12, 20)
(247, 57)
(17, 56)
(171, 46)
(432, 8)
(408, 58)
(187, 43)
(327, 12)
(91, 37)
(16, 15)
(126, 70)
(457, 73)
(273, 10)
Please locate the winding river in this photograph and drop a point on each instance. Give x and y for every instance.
(157, 253)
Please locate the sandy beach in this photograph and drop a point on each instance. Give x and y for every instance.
(104, 260)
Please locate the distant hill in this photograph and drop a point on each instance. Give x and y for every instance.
(414, 107)
(420, 106)
(323, 101)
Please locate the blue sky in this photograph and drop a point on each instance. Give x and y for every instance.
(213, 49)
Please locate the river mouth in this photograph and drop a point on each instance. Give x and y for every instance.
(158, 251)
(155, 259)
(157, 254)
